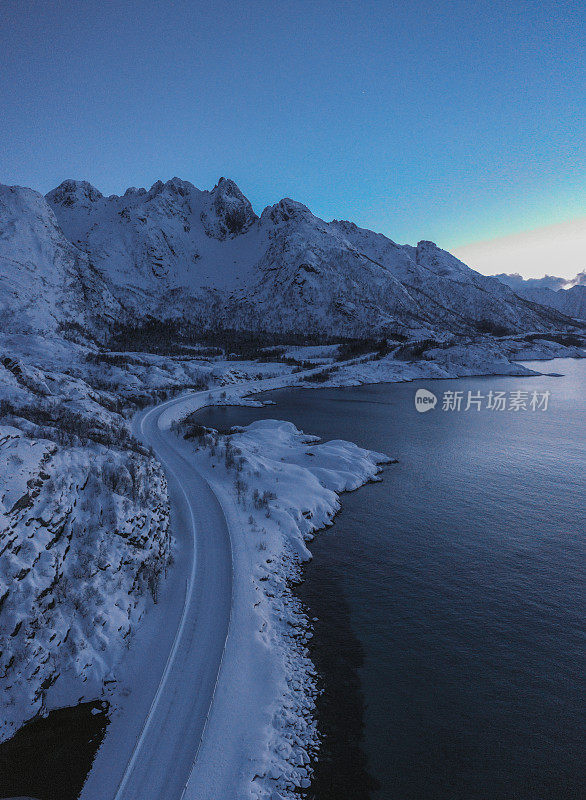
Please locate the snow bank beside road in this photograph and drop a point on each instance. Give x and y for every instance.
(277, 486)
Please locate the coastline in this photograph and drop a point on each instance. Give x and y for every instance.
(271, 629)
(347, 719)
(341, 769)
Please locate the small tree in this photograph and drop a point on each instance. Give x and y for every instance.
(240, 489)
(229, 455)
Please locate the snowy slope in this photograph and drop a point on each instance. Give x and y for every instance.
(45, 281)
(84, 536)
(204, 255)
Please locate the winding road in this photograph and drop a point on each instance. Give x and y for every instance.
(151, 749)
(165, 752)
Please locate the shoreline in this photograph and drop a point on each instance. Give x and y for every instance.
(357, 782)
(341, 768)
(273, 542)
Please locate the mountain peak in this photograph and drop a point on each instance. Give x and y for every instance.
(132, 191)
(179, 186)
(233, 210)
(180, 251)
(284, 210)
(227, 188)
(71, 191)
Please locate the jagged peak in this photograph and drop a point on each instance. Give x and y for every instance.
(179, 186)
(225, 183)
(345, 224)
(227, 189)
(155, 189)
(70, 191)
(428, 251)
(443, 263)
(427, 244)
(284, 210)
(132, 191)
(232, 210)
(174, 186)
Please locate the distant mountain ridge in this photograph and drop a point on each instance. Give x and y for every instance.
(566, 296)
(175, 251)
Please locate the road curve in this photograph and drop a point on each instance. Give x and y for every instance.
(167, 747)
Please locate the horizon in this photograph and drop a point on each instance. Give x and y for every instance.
(424, 122)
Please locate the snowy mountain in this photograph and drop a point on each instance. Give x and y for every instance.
(84, 507)
(177, 251)
(174, 251)
(45, 281)
(568, 297)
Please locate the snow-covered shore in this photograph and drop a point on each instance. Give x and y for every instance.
(447, 361)
(277, 486)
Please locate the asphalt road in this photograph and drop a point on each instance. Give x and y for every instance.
(167, 747)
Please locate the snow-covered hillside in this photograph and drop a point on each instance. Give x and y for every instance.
(84, 538)
(84, 514)
(176, 251)
(46, 283)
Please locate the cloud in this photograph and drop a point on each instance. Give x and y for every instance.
(558, 250)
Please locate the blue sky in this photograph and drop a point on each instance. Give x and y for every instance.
(453, 121)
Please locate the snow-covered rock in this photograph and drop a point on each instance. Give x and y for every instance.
(84, 537)
(45, 281)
